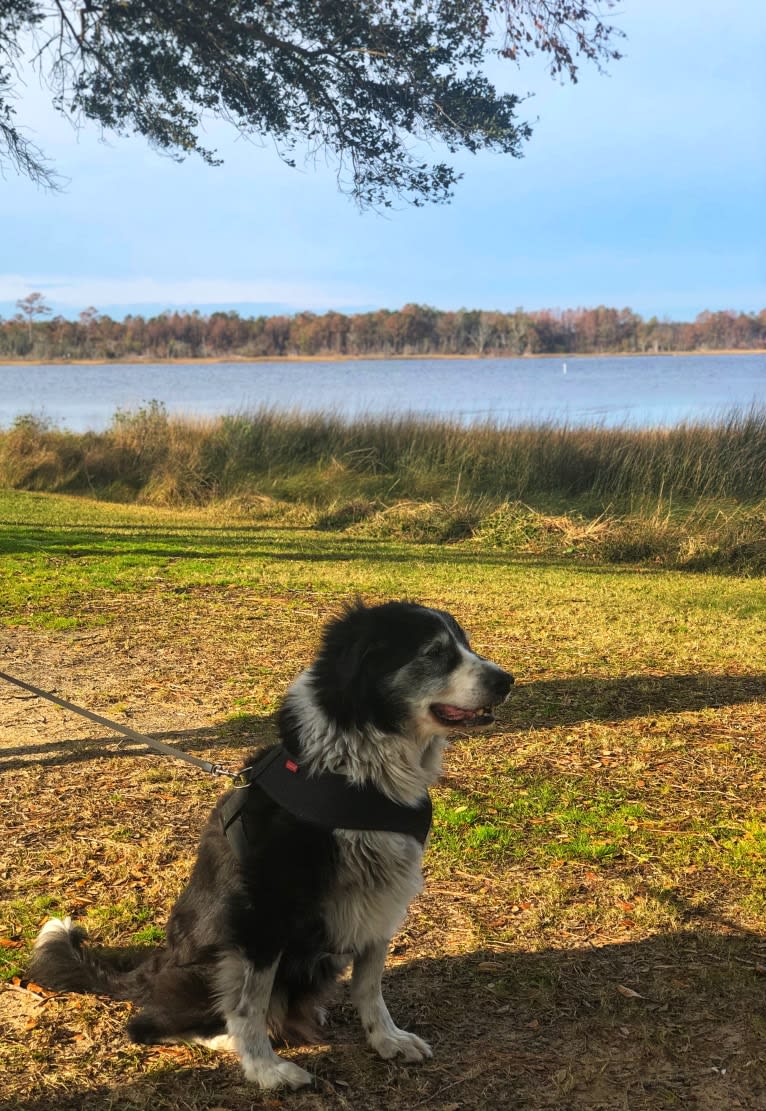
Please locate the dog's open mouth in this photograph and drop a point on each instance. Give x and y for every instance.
(458, 716)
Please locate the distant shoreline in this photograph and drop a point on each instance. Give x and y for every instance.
(139, 360)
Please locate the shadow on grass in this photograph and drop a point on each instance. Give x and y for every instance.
(540, 704)
(674, 1020)
(253, 543)
(551, 702)
(246, 543)
(211, 740)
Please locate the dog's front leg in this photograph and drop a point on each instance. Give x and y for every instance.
(382, 1033)
(245, 992)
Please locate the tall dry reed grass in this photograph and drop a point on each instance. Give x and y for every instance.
(151, 456)
(691, 496)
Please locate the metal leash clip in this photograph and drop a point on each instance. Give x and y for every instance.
(240, 779)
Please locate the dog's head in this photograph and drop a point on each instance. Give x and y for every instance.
(404, 668)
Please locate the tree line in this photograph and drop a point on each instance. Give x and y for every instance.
(412, 330)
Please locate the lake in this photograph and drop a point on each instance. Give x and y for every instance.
(633, 390)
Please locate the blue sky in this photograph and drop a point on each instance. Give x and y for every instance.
(645, 188)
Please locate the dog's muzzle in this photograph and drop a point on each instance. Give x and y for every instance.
(496, 684)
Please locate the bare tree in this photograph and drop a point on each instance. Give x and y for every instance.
(32, 306)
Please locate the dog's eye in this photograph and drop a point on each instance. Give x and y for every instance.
(434, 650)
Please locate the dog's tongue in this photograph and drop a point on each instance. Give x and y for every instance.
(454, 713)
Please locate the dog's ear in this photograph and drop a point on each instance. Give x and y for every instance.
(457, 631)
(341, 670)
(351, 660)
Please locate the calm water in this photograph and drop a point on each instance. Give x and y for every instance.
(648, 390)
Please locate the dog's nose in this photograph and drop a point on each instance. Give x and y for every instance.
(501, 683)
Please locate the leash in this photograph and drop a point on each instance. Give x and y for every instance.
(158, 746)
(327, 801)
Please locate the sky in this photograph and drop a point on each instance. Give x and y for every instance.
(645, 188)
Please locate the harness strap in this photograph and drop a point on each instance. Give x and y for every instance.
(326, 800)
(158, 746)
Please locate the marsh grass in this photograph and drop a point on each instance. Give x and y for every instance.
(319, 457)
(688, 496)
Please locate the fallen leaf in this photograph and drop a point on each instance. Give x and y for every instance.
(628, 992)
(36, 989)
(9, 943)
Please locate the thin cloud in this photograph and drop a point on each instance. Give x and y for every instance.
(80, 292)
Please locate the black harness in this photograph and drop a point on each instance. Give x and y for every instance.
(327, 800)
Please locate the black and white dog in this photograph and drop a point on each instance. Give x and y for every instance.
(314, 864)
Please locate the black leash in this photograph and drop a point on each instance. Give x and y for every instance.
(158, 746)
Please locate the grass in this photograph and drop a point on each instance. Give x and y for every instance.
(321, 456)
(592, 933)
(687, 496)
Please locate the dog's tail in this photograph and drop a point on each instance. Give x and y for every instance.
(60, 962)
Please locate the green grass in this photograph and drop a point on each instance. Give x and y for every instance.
(536, 822)
(607, 830)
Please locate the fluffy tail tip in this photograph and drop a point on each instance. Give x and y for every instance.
(56, 929)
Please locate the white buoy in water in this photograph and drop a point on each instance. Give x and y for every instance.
(563, 368)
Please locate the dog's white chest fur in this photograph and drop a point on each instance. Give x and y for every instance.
(378, 876)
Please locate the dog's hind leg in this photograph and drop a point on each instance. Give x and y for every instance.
(383, 1034)
(244, 991)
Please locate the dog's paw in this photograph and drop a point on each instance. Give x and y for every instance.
(400, 1043)
(218, 1043)
(275, 1072)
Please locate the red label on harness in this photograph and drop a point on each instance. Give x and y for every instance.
(291, 765)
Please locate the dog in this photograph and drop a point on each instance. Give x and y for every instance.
(311, 866)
